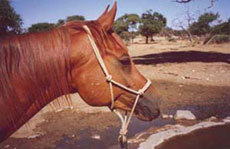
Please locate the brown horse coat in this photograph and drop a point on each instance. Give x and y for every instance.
(36, 68)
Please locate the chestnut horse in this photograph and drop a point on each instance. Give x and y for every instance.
(36, 68)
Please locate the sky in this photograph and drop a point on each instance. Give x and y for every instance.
(37, 11)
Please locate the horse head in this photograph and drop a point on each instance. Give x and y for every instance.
(88, 79)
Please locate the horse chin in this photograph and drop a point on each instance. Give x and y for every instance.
(146, 115)
(143, 118)
(142, 112)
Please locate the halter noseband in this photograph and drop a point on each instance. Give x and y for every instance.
(125, 121)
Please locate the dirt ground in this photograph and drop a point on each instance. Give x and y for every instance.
(187, 77)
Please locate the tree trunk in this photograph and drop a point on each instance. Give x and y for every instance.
(189, 36)
(152, 38)
(146, 39)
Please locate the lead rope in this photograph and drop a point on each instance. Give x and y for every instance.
(126, 119)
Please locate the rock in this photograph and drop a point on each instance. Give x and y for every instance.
(7, 146)
(73, 136)
(97, 137)
(180, 85)
(227, 119)
(33, 136)
(212, 118)
(165, 116)
(168, 132)
(59, 110)
(184, 114)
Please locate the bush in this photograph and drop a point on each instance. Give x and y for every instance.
(218, 39)
(171, 39)
(126, 36)
(222, 39)
(40, 27)
(223, 28)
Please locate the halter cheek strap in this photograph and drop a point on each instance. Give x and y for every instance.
(126, 120)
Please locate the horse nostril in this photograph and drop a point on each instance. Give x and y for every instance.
(156, 113)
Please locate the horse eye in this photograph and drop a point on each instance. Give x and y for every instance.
(125, 60)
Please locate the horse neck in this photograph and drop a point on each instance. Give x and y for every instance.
(38, 74)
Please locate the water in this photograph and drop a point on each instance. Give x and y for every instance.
(108, 138)
(216, 137)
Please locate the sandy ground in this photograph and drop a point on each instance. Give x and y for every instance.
(184, 75)
(189, 70)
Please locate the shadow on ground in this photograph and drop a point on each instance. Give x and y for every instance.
(181, 57)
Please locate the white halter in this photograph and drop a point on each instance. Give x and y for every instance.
(125, 121)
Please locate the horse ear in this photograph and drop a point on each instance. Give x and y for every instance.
(107, 18)
(104, 13)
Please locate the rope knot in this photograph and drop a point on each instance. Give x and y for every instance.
(109, 78)
(141, 92)
(123, 132)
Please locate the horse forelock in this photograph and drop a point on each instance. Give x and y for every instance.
(99, 34)
(105, 41)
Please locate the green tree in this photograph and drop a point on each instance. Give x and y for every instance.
(152, 23)
(75, 18)
(126, 26)
(10, 21)
(208, 18)
(39, 27)
(133, 20)
(60, 22)
(121, 25)
(203, 25)
(222, 28)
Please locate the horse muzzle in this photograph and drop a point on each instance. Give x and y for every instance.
(148, 107)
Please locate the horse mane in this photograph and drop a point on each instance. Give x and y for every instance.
(37, 66)
(33, 66)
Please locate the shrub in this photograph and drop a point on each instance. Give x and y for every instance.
(218, 39)
(171, 39)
